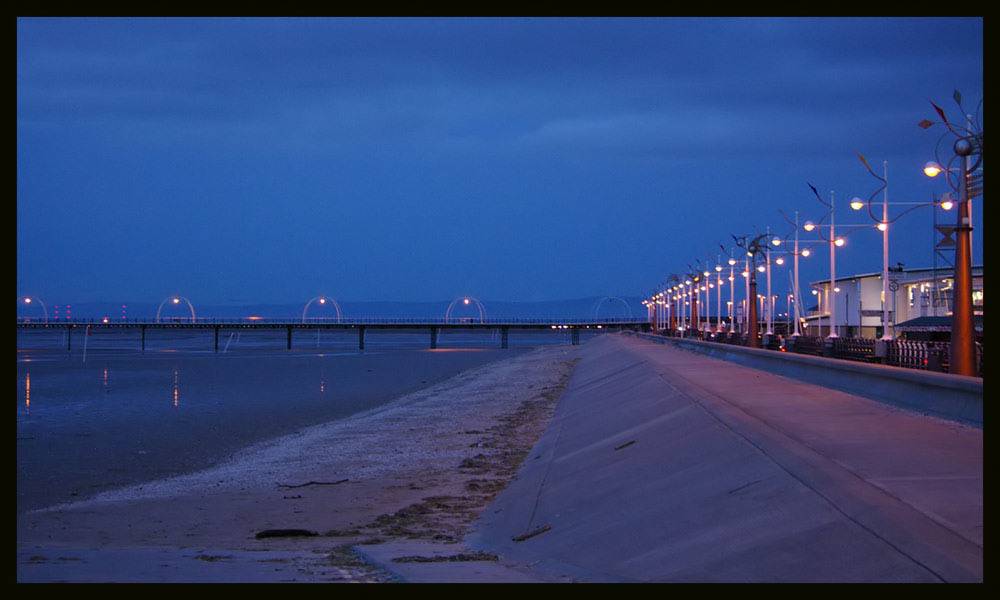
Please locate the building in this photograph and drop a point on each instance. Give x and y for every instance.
(913, 293)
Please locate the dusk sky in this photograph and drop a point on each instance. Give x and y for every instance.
(269, 160)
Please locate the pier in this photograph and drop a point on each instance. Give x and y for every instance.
(430, 327)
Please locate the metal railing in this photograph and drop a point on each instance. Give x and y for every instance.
(910, 354)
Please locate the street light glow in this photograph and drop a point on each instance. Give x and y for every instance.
(836, 290)
(732, 261)
(809, 226)
(947, 204)
(806, 252)
(718, 268)
(776, 241)
(839, 242)
(465, 301)
(761, 268)
(881, 227)
(177, 300)
(27, 300)
(322, 300)
(857, 203)
(932, 169)
(780, 261)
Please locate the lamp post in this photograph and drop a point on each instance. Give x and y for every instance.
(732, 295)
(753, 250)
(882, 224)
(718, 296)
(967, 147)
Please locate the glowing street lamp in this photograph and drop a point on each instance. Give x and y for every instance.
(28, 300)
(968, 151)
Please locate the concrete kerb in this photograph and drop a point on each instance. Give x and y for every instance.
(954, 397)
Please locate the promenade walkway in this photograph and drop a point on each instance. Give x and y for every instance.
(665, 465)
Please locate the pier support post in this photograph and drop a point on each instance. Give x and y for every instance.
(575, 336)
(361, 337)
(216, 338)
(503, 337)
(434, 338)
(289, 345)
(69, 338)
(142, 338)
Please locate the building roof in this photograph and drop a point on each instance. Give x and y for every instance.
(935, 324)
(975, 268)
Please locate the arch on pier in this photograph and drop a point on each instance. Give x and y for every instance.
(465, 301)
(28, 300)
(175, 300)
(597, 306)
(322, 300)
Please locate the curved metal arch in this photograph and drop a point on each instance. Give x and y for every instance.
(168, 299)
(600, 302)
(479, 307)
(336, 306)
(45, 311)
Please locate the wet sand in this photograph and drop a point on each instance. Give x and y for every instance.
(421, 467)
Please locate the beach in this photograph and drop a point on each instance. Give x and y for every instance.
(420, 467)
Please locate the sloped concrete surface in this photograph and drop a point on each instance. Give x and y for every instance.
(665, 465)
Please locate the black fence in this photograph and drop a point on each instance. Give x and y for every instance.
(910, 354)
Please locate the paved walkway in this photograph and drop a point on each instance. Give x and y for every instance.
(665, 465)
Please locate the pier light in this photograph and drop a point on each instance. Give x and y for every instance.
(815, 293)
(806, 252)
(465, 301)
(322, 300)
(104, 320)
(731, 278)
(881, 227)
(762, 268)
(711, 286)
(732, 262)
(932, 169)
(687, 282)
(779, 261)
(836, 289)
(718, 268)
(176, 300)
(27, 300)
(745, 273)
(776, 241)
(857, 203)
(839, 242)
(707, 273)
(809, 226)
(947, 204)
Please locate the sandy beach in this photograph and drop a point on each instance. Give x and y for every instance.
(421, 467)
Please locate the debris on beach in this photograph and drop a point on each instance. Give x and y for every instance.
(279, 533)
(291, 486)
(463, 557)
(531, 534)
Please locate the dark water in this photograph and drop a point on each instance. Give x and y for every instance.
(121, 416)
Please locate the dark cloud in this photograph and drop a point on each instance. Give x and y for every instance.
(414, 157)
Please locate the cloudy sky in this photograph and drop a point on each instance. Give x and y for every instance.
(269, 160)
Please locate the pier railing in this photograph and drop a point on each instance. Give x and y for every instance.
(910, 354)
(424, 321)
